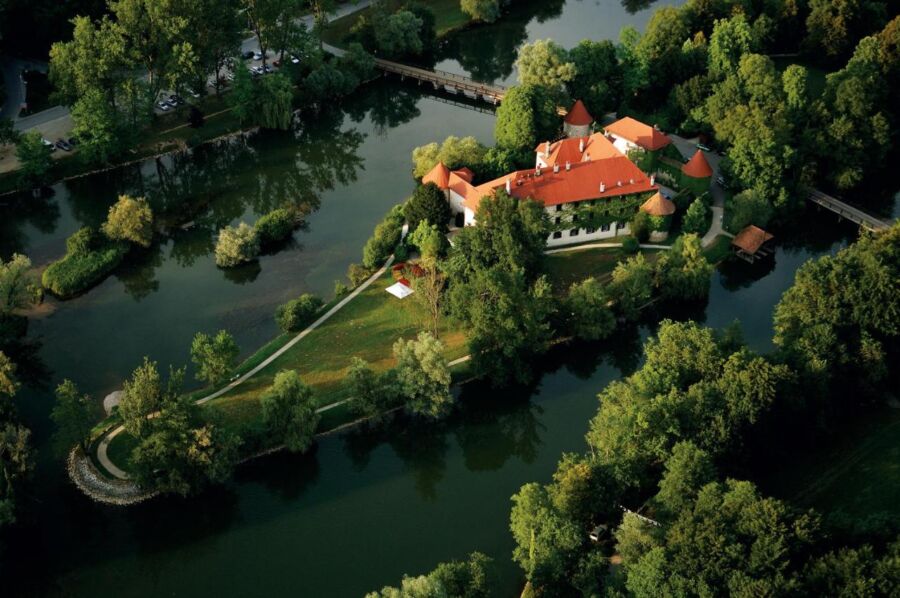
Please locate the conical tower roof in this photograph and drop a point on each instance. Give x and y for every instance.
(658, 205)
(697, 167)
(439, 175)
(578, 115)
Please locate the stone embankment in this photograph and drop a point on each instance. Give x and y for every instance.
(85, 475)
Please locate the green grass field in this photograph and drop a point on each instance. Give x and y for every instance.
(367, 327)
(574, 266)
(447, 17)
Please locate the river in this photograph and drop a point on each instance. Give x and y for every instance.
(365, 507)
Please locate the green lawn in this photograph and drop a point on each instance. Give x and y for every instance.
(574, 266)
(447, 17)
(367, 327)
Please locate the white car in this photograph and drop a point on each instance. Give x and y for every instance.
(256, 70)
(49, 144)
(257, 56)
(294, 59)
(163, 105)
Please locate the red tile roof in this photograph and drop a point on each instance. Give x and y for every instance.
(637, 132)
(578, 115)
(596, 147)
(697, 167)
(582, 182)
(465, 173)
(751, 239)
(658, 205)
(439, 175)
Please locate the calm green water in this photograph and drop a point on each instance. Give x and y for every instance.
(365, 507)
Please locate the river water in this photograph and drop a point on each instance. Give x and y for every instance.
(365, 507)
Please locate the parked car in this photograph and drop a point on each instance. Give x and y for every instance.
(73, 141)
(48, 143)
(175, 100)
(721, 180)
(294, 59)
(704, 147)
(257, 55)
(268, 69)
(63, 145)
(163, 105)
(247, 55)
(256, 70)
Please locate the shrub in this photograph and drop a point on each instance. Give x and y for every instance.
(275, 226)
(236, 245)
(130, 220)
(630, 245)
(79, 271)
(297, 313)
(340, 289)
(384, 238)
(640, 226)
(358, 274)
(401, 252)
(81, 241)
(695, 219)
(747, 207)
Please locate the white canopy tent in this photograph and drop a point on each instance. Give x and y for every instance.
(399, 290)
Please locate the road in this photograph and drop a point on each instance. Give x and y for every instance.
(688, 147)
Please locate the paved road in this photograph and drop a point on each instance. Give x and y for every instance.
(688, 147)
(10, 69)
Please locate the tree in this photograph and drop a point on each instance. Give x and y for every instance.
(214, 356)
(511, 233)
(853, 572)
(729, 537)
(546, 543)
(276, 226)
(216, 34)
(181, 453)
(632, 286)
(297, 313)
(695, 218)
(130, 219)
(143, 394)
(834, 26)
(839, 320)
(236, 245)
(243, 96)
(370, 392)
(660, 48)
(16, 464)
(507, 322)
(8, 133)
(461, 579)
(34, 158)
(18, 287)
(687, 470)
(640, 226)
(74, 415)
(546, 64)
(598, 75)
(98, 126)
(683, 272)
(747, 207)
(429, 283)
(428, 204)
(8, 383)
(485, 11)
(399, 35)
(289, 411)
(423, 376)
(276, 97)
(454, 152)
(526, 116)
(588, 311)
(731, 39)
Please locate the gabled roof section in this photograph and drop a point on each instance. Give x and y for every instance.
(465, 173)
(578, 149)
(649, 138)
(578, 115)
(439, 175)
(697, 167)
(751, 239)
(658, 205)
(616, 176)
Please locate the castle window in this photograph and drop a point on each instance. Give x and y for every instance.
(557, 235)
(558, 220)
(559, 207)
(590, 231)
(604, 228)
(573, 232)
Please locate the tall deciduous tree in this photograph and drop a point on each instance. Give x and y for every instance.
(8, 383)
(74, 415)
(683, 272)
(587, 310)
(16, 464)
(485, 11)
(598, 80)
(289, 411)
(276, 99)
(423, 376)
(546, 64)
(214, 356)
(143, 394)
(130, 219)
(526, 117)
(34, 159)
(18, 286)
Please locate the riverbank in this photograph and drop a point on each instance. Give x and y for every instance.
(448, 18)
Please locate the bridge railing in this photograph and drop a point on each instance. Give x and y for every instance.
(440, 77)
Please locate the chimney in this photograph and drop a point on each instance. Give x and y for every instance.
(555, 168)
(631, 181)
(652, 179)
(537, 171)
(619, 184)
(508, 186)
(581, 146)
(568, 165)
(547, 148)
(602, 186)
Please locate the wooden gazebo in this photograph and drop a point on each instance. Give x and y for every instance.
(752, 243)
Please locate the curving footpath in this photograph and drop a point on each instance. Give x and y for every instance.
(103, 447)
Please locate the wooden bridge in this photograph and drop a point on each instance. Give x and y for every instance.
(847, 211)
(444, 80)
